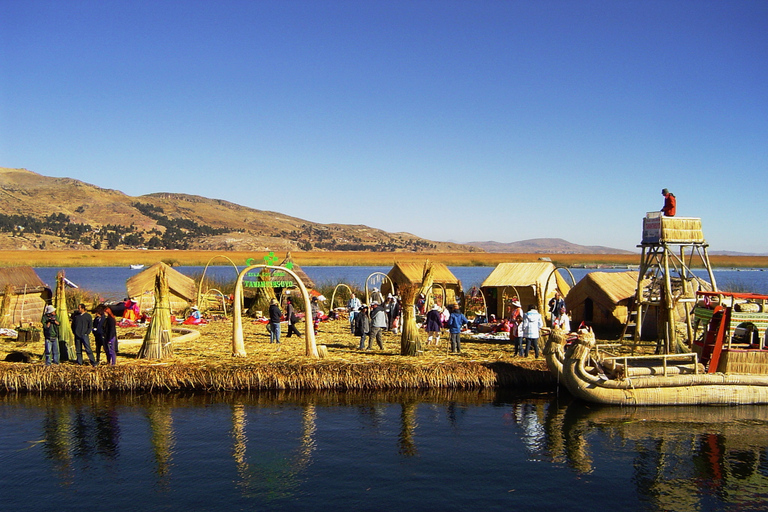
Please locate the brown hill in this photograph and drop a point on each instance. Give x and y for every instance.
(40, 211)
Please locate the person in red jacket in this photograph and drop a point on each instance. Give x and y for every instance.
(670, 203)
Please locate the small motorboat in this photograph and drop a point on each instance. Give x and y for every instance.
(137, 267)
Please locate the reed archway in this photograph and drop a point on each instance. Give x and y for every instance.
(504, 299)
(238, 344)
(546, 286)
(333, 295)
(382, 276)
(214, 291)
(202, 279)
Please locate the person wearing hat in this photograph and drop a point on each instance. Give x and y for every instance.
(670, 203)
(515, 321)
(51, 335)
(434, 324)
(275, 316)
(290, 315)
(195, 313)
(362, 325)
(379, 322)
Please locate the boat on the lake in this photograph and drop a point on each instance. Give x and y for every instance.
(138, 266)
(727, 364)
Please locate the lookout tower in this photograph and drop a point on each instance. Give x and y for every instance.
(665, 282)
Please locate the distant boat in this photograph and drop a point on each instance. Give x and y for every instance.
(137, 267)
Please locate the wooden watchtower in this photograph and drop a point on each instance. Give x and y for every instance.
(670, 246)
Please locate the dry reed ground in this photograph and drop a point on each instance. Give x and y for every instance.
(206, 364)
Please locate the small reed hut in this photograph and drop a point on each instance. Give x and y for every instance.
(602, 300)
(412, 274)
(525, 281)
(181, 289)
(24, 296)
(289, 263)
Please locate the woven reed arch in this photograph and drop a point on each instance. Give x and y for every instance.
(223, 300)
(333, 295)
(202, 279)
(485, 303)
(429, 294)
(504, 297)
(238, 345)
(391, 284)
(546, 286)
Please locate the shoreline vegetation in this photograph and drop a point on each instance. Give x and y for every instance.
(205, 364)
(120, 258)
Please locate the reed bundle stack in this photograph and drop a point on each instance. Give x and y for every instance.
(410, 341)
(157, 340)
(66, 336)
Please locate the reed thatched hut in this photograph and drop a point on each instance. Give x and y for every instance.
(528, 282)
(24, 296)
(602, 299)
(181, 289)
(292, 265)
(411, 274)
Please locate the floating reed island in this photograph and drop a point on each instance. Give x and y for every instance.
(204, 364)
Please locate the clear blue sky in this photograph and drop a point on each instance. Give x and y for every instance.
(451, 120)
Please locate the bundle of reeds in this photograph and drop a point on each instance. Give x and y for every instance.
(6, 319)
(410, 341)
(157, 339)
(66, 336)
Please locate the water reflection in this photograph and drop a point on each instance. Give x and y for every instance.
(349, 450)
(685, 458)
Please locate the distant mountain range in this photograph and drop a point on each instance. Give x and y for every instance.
(545, 246)
(39, 212)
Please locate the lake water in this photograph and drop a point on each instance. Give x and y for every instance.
(437, 450)
(110, 281)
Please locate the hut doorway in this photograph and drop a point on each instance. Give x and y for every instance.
(589, 310)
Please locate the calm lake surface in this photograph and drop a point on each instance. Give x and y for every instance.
(437, 450)
(110, 281)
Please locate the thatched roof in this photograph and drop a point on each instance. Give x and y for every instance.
(19, 278)
(605, 288)
(308, 283)
(526, 274)
(412, 273)
(178, 284)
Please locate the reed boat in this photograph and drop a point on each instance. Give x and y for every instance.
(727, 364)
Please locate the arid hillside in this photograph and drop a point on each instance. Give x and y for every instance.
(38, 212)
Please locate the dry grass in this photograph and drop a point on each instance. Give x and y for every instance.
(206, 364)
(68, 258)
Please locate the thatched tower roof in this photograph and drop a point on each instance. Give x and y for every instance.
(181, 288)
(308, 283)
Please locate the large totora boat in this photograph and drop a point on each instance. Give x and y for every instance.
(727, 364)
